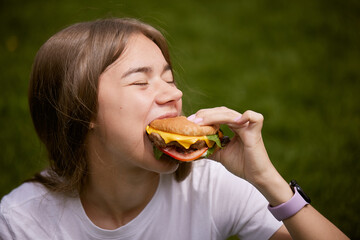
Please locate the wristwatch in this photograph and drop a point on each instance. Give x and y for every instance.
(291, 207)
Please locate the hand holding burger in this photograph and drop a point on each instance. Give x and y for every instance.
(245, 155)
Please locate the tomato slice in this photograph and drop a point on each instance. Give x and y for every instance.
(185, 157)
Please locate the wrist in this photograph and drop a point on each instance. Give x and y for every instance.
(293, 206)
(275, 189)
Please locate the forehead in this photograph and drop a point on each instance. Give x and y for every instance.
(139, 51)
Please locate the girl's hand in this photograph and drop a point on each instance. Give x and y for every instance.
(245, 155)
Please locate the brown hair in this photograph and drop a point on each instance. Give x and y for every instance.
(63, 93)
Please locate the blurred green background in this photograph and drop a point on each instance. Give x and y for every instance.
(296, 62)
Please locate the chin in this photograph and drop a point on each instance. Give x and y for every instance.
(165, 165)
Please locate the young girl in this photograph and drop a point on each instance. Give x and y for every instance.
(94, 88)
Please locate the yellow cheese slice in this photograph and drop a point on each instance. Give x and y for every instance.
(185, 141)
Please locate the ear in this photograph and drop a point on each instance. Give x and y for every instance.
(92, 125)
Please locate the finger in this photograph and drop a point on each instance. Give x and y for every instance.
(215, 116)
(195, 119)
(251, 118)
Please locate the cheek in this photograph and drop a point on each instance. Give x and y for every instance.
(123, 115)
(121, 126)
(119, 108)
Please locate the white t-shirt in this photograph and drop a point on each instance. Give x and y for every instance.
(210, 204)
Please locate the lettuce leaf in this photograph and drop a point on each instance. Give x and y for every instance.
(215, 138)
(157, 153)
(210, 151)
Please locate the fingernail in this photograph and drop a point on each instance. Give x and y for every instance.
(198, 120)
(191, 118)
(195, 119)
(237, 118)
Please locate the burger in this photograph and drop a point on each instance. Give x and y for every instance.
(183, 140)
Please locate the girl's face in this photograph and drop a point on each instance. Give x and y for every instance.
(136, 89)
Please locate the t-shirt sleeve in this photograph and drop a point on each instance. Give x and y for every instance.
(240, 209)
(21, 214)
(5, 230)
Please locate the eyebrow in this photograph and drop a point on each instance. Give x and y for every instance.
(167, 67)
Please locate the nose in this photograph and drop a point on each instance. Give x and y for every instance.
(168, 93)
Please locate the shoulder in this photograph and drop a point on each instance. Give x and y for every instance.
(20, 205)
(22, 195)
(30, 200)
(34, 207)
(31, 197)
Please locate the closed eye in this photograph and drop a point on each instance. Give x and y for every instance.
(142, 83)
(167, 75)
(171, 82)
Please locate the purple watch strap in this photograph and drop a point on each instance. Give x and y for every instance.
(289, 208)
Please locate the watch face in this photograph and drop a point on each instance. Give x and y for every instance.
(294, 184)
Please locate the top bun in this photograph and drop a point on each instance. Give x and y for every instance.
(180, 125)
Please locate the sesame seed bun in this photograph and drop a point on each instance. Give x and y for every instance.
(180, 125)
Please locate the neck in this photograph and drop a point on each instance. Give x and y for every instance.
(114, 196)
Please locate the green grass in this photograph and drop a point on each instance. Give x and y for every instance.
(295, 62)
